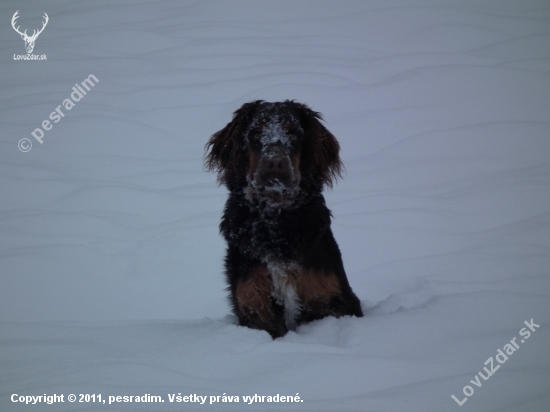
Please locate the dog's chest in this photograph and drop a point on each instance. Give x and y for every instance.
(268, 239)
(285, 278)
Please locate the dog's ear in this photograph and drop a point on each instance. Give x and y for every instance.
(320, 159)
(224, 150)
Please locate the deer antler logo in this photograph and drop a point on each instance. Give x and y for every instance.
(29, 40)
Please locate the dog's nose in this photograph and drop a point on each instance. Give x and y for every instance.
(275, 166)
(274, 163)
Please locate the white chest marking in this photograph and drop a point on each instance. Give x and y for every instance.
(284, 291)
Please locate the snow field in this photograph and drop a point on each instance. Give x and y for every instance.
(109, 250)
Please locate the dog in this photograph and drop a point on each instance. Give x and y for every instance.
(283, 266)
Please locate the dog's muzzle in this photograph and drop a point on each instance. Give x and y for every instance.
(275, 169)
(274, 182)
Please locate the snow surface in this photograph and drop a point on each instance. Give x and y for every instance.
(109, 249)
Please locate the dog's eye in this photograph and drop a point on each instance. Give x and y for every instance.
(293, 137)
(257, 136)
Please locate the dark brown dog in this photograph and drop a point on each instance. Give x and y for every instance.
(283, 266)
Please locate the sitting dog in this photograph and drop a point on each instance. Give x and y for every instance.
(283, 266)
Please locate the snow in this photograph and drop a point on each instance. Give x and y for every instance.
(110, 257)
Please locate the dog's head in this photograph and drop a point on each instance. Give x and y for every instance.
(273, 152)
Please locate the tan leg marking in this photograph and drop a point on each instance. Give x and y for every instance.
(317, 287)
(253, 294)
